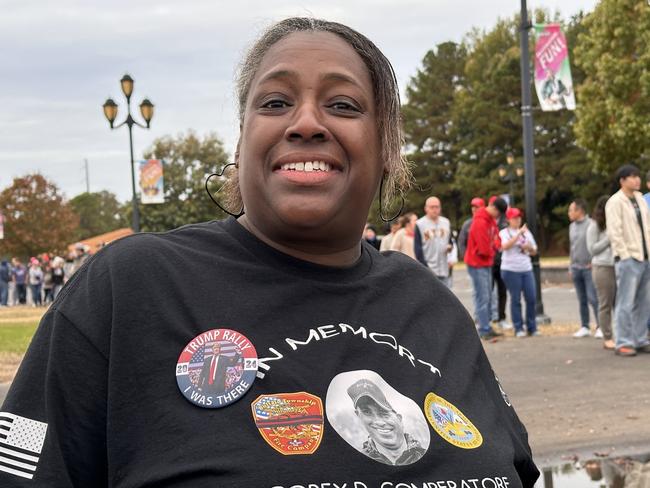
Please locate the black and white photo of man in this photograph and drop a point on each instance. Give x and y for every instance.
(387, 442)
(373, 424)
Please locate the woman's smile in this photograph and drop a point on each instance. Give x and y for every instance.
(307, 169)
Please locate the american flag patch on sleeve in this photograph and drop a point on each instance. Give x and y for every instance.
(21, 441)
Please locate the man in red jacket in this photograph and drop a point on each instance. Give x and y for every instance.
(482, 245)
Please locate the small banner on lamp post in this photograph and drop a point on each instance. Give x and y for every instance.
(2, 226)
(552, 70)
(151, 181)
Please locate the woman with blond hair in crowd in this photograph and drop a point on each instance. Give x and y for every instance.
(403, 240)
(58, 275)
(602, 270)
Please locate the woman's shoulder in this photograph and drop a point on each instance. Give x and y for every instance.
(593, 227)
(147, 245)
(410, 278)
(136, 254)
(396, 262)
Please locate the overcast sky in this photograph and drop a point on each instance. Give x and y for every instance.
(61, 59)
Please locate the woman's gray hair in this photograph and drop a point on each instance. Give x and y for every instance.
(384, 84)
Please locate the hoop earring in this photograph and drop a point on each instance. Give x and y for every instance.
(207, 189)
(381, 204)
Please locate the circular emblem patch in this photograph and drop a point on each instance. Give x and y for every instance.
(216, 368)
(450, 423)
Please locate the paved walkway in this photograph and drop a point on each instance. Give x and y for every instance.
(574, 397)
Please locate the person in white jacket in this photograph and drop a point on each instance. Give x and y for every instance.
(628, 229)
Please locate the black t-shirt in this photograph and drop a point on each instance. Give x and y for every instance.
(368, 376)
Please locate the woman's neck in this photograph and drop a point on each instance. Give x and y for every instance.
(314, 254)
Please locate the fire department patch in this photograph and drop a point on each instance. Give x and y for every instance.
(450, 423)
(291, 423)
(216, 368)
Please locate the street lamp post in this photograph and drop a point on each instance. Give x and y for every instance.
(146, 110)
(509, 174)
(529, 156)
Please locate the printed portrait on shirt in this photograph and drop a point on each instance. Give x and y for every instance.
(221, 368)
(376, 419)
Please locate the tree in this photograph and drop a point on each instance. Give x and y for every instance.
(37, 218)
(428, 122)
(486, 116)
(463, 116)
(98, 213)
(614, 113)
(188, 162)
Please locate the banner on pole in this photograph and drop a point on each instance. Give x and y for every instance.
(151, 181)
(552, 70)
(2, 226)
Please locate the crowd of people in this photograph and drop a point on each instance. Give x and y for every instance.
(39, 281)
(608, 261)
(609, 264)
(494, 245)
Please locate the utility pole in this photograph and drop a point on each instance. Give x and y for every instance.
(529, 155)
(87, 176)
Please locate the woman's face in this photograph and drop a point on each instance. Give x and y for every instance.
(515, 222)
(309, 150)
(411, 225)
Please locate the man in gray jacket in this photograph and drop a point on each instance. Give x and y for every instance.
(628, 229)
(580, 267)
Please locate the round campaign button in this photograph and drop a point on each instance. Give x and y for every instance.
(216, 368)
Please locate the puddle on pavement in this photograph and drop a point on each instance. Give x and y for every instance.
(614, 472)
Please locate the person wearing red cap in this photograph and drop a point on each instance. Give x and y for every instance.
(482, 245)
(463, 235)
(518, 246)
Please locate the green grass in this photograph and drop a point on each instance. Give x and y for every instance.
(16, 336)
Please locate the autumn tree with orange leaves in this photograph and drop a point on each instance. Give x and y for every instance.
(37, 218)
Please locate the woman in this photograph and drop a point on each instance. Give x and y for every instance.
(58, 275)
(391, 230)
(403, 240)
(35, 277)
(518, 246)
(48, 283)
(275, 305)
(602, 270)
